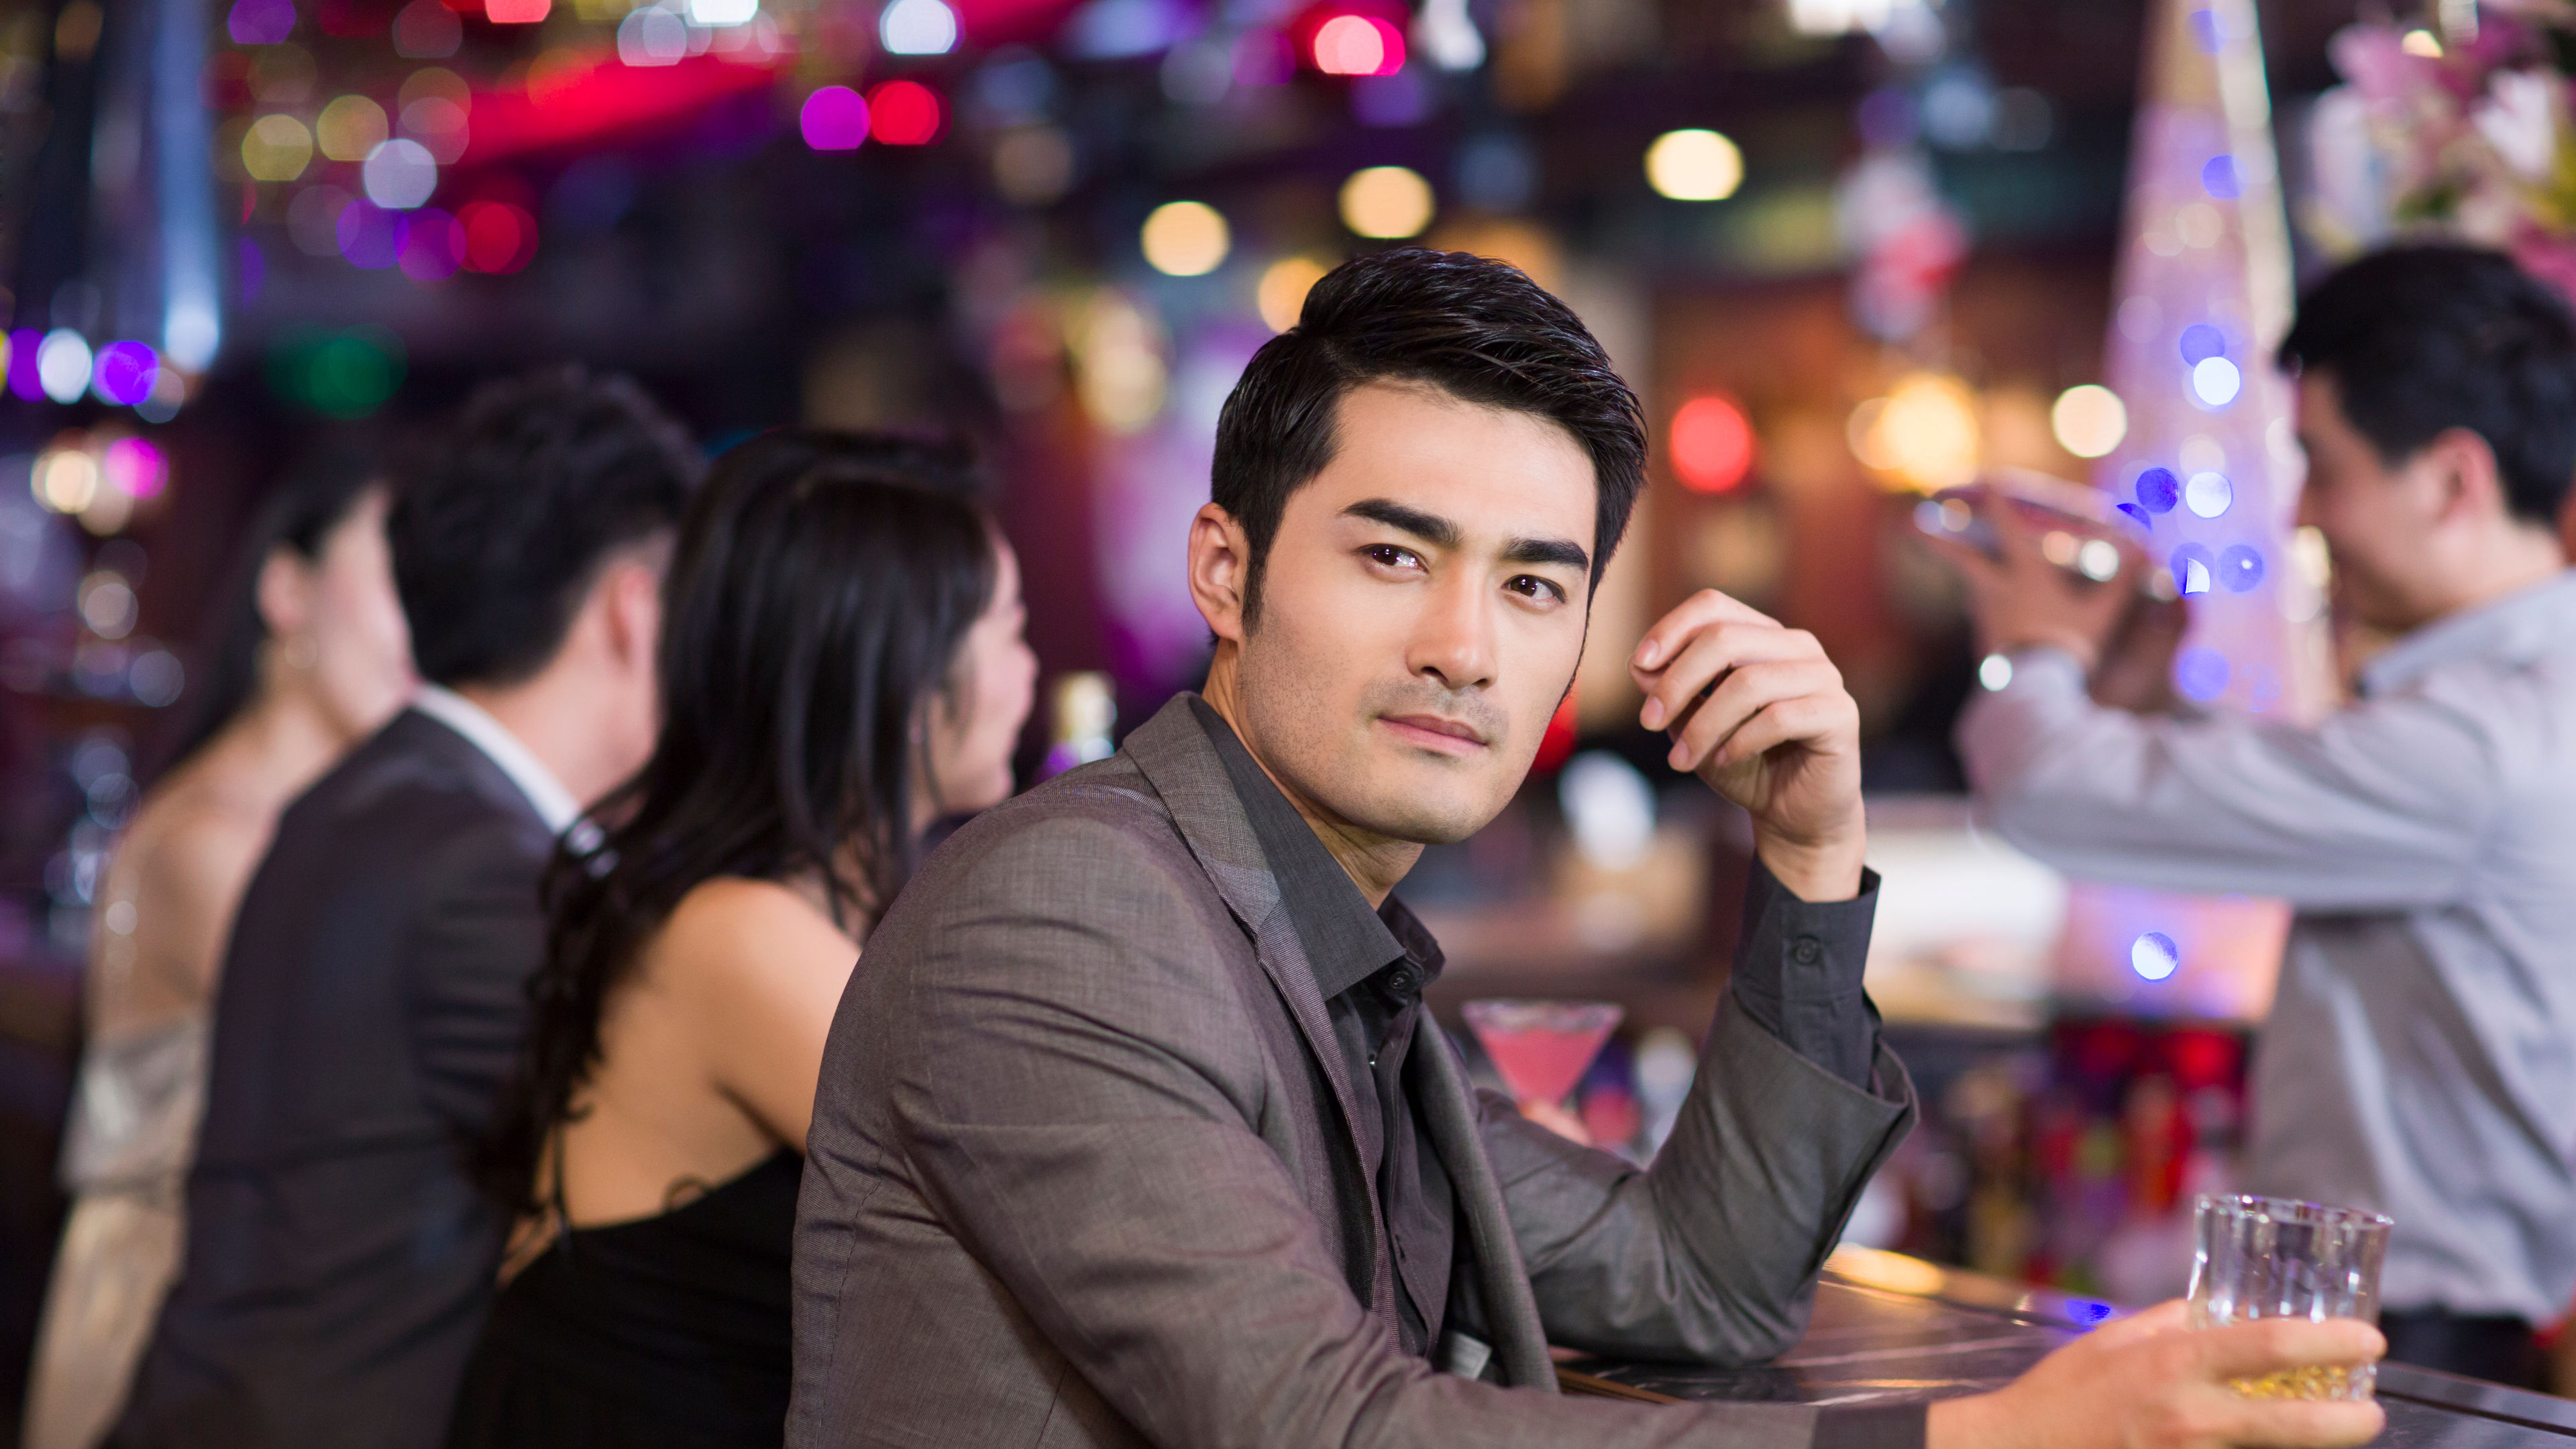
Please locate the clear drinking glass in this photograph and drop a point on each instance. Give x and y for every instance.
(2264, 1257)
(1541, 1048)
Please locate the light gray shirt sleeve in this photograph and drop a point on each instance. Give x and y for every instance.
(2380, 807)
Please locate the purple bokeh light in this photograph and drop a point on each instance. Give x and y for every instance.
(835, 118)
(370, 236)
(122, 373)
(261, 22)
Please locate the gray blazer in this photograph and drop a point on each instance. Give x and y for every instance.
(1082, 1173)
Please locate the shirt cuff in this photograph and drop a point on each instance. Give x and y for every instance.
(1798, 971)
(1872, 1426)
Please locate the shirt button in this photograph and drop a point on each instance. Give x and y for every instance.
(1400, 981)
(1806, 950)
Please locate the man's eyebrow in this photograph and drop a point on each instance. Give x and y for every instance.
(1431, 528)
(1548, 551)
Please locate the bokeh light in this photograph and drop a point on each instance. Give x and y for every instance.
(499, 237)
(2098, 559)
(135, 467)
(433, 245)
(337, 374)
(917, 27)
(905, 113)
(834, 118)
(2200, 342)
(2208, 494)
(1924, 434)
(349, 128)
(439, 123)
(276, 148)
(1711, 443)
(1033, 165)
(2158, 490)
(1358, 45)
(123, 372)
(1694, 165)
(2220, 178)
(1995, 671)
(2240, 568)
(1281, 296)
(2201, 673)
(65, 477)
(1386, 202)
(370, 236)
(722, 14)
(63, 365)
(261, 22)
(2215, 381)
(2154, 956)
(516, 12)
(2089, 420)
(1185, 238)
(400, 175)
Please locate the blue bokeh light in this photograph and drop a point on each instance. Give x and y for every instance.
(2089, 1312)
(2154, 956)
(2220, 178)
(2240, 568)
(2194, 571)
(2201, 342)
(2159, 490)
(2200, 673)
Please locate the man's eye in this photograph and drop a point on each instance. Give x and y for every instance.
(1392, 556)
(1534, 587)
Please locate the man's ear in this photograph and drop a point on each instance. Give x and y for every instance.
(283, 594)
(632, 605)
(1220, 571)
(2472, 484)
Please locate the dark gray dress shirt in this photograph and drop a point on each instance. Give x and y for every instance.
(1371, 966)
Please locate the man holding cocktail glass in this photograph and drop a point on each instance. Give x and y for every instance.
(2420, 1059)
(1132, 1129)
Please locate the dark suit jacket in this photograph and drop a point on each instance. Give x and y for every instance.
(1082, 1173)
(339, 1261)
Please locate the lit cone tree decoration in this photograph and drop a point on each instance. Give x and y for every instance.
(2210, 466)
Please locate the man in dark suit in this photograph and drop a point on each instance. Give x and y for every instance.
(339, 1260)
(1133, 1128)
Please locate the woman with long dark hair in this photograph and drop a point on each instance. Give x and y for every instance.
(309, 656)
(842, 664)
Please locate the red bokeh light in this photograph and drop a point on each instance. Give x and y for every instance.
(1556, 743)
(1711, 444)
(1358, 45)
(905, 113)
(499, 237)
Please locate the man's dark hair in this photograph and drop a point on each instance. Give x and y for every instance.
(1479, 330)
(501, 526)
(2421, 339)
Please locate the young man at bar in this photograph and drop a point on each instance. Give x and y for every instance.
(2420, 1058)
(1134, 1129)
(339, 1259)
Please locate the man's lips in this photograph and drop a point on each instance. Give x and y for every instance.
(1433, 732)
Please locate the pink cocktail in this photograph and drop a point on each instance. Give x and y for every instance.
(1542, 1048)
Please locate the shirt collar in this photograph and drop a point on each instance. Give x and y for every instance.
(1346, 942)
(553, 803)
(2521, 626)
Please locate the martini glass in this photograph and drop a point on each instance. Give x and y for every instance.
(1542, 1048)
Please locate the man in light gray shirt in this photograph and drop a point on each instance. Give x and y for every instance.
(2420, 1058)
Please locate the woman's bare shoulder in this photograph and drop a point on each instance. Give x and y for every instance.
(732, 927)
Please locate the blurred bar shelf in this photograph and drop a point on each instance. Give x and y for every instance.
(1889, 1328)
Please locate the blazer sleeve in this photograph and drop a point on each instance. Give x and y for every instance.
(477, 938)
(1076, 1093)
(1710, 1254)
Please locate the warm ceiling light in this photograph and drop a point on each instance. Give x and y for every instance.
(1185, 238)
(1694, 166)
(1386, 202)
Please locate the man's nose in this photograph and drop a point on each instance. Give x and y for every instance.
(1453, 640)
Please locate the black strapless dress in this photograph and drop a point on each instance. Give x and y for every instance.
(668, 1332)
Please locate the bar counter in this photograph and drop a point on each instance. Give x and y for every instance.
(1889, 1328)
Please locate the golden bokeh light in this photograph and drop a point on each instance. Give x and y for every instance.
(2089, 420)
(1694, 165)
(1282, 293)
(276, 148)
(1923, 434)
(1387, 202)
(1186, 239)
(349, 128)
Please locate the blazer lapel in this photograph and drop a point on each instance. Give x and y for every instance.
(1175, 756)
(1448, 1106)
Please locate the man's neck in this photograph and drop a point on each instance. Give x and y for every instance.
(2525, 557)
(549, 715)
(1374, 862)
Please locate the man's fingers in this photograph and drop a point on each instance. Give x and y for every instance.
(2165, 1317)
(1693, 614)
(1745, 692)
(1809, 716)
(2275, 1345)
(2297, 1423)
(1706, 657)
